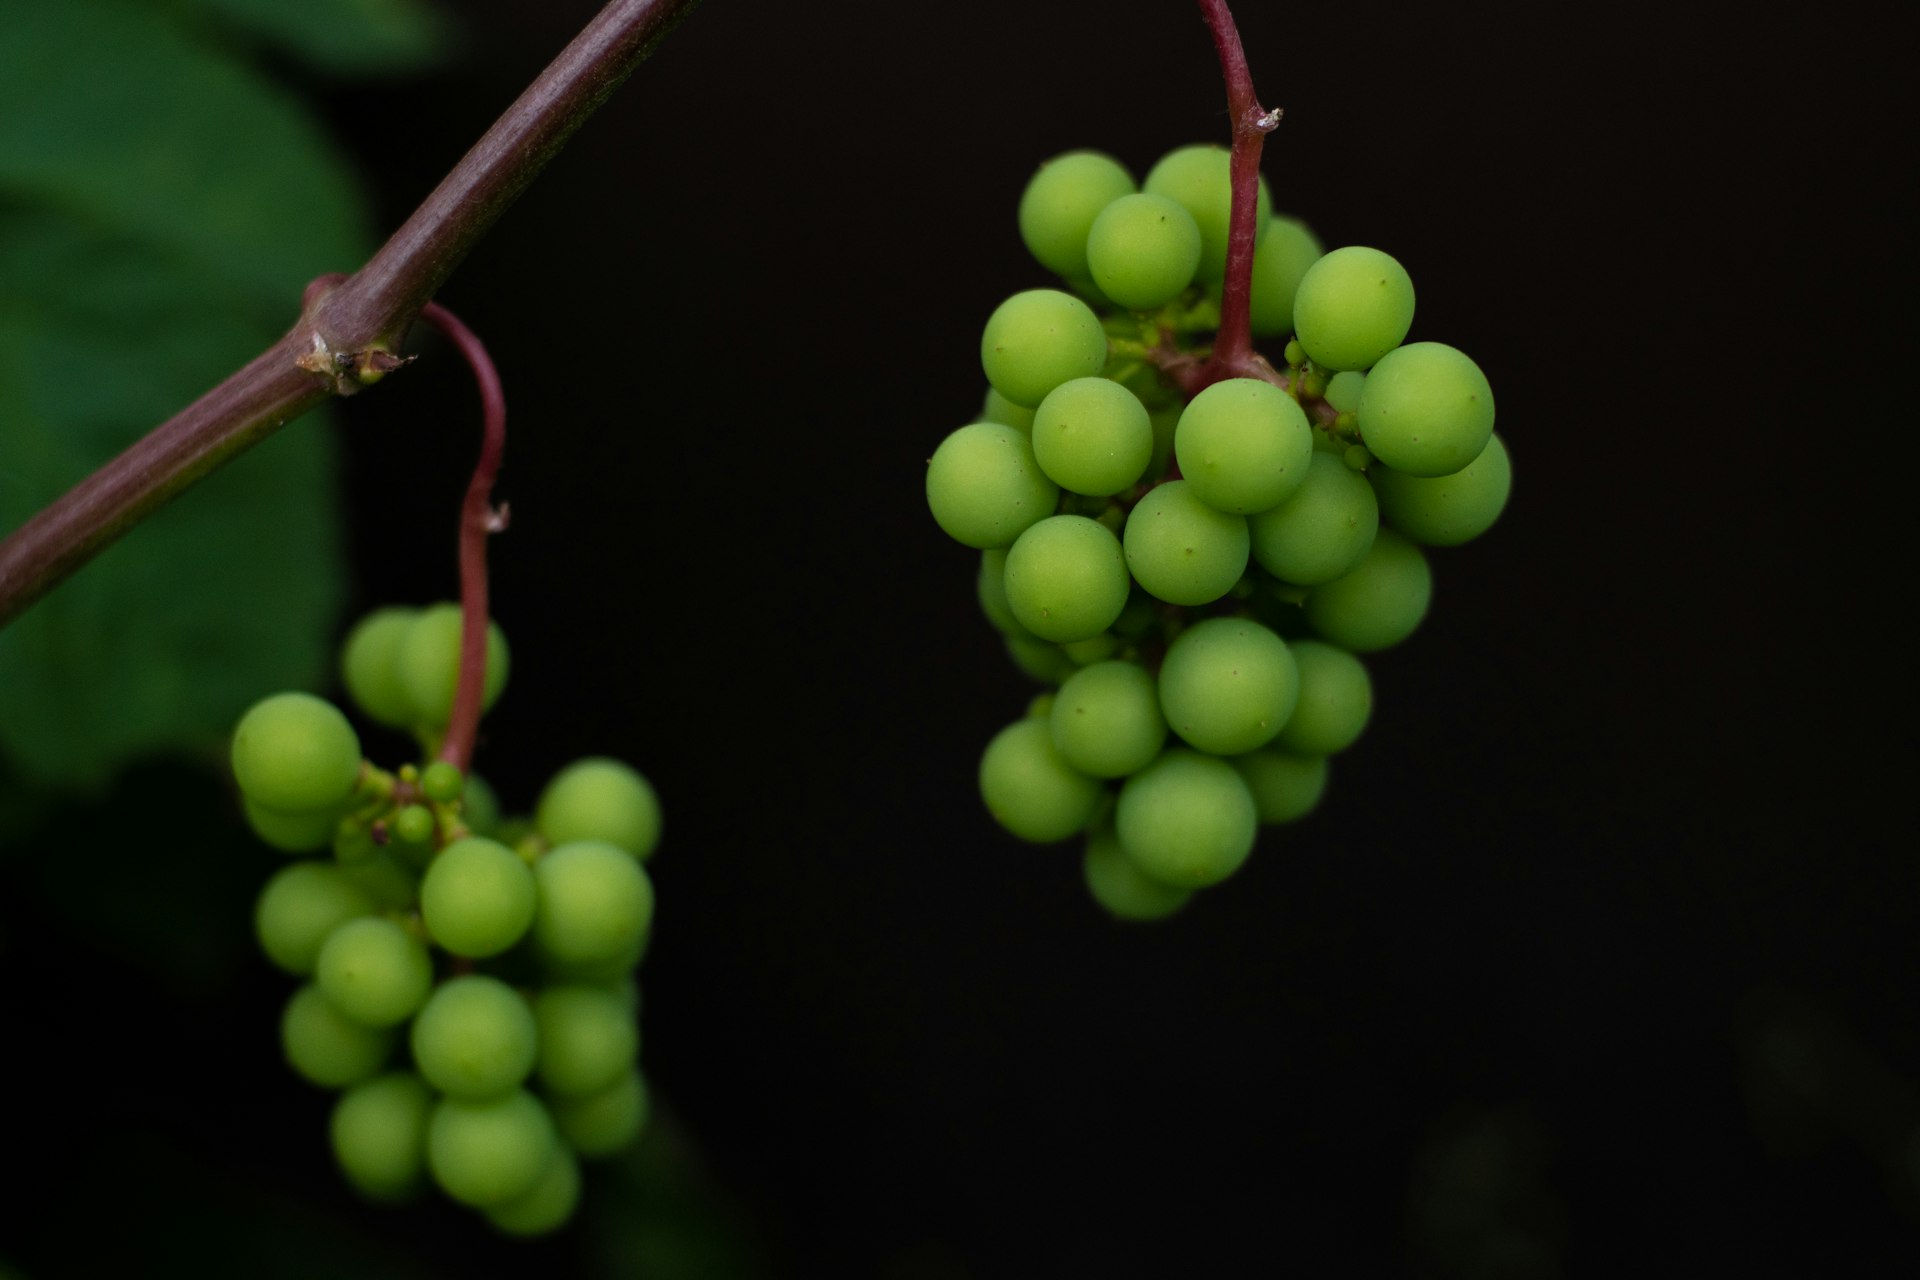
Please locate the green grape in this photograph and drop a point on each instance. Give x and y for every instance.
(1284, 255)
(985, 488)
(1060, 203)
(1356, 458)
(990, 586)
(1323, 530)
(604, 1123)
(427, 662)
(477, 897)
(548, 1205)
(379, 1134)
(1091, 650)
(1379, 603)
(595, 902)
(1092, 436)
(1036, 340)
(1181, 550)
(1143, 250)
(1106, 720)
(479, 807)
(1187, 820)
(1353, 306)
(1030, 789)
(1227, 685)
(1336, 699)
(1243, 445)
(605, 971)
(291, 832)
(489, 1152)
(294, 753)
(1285, 787)
(1040, 706)
(1038, 659)
(299, 907)
(1200, 178)
(414, 825)
(1426, 410)
(384, 878)
(369, 666)
(1066, 578)
(374, 971)
(326, 1046)
(1343, 390)
(1002, 410)
(1446, 511)
(599, 798)
(442, 782)
(475, 1038)
(588, 1038)
(1123, 889)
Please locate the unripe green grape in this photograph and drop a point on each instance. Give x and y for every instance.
(1285, 787)
(299, 907)
(1106, 720)
(1186, 820)
(1353, 306)
(1283, 257)
(1181, 550)
(479, 807)
(1093, 649)
(1227, 685)
(595, 902)
(475, 1038)
(1243, 445)
(1092, 436)
(1002, 410)
(984, 486)
(1426, 410)
(369, 666)
(1036, 340)
(1039, 660)
(1343, 390)
(1200, 178)
(384, 878)
(374, 971)
(294, 753)
(1066, 578)
(1336, 700)
(990, 586)
(477, 897)
(1165, 421)
(1030, 789)
(326, 1046)
(1445, 511)
(489, 1152)
(1143, 250)
(1126, 892)
(442, 781)
(1060, 203)
(548, 1205)
(427, 661)
(599, 798)
(379, 1134)
(1379, 603)
(291, 832)
(414, 825)
(1323, 530)
(607, 1122)
(588, 1038)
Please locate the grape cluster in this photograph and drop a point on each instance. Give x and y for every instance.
(1196, 572)
(467, 981)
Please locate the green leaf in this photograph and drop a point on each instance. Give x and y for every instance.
(161, 207)
(342, 37)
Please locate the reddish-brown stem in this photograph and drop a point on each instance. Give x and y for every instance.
(1233, 354)
(478, 519)
(346, 324)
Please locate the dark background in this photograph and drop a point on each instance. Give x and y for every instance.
(1598, 955)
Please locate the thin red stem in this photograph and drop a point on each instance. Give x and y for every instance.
(1233, 354)
(478, 519)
